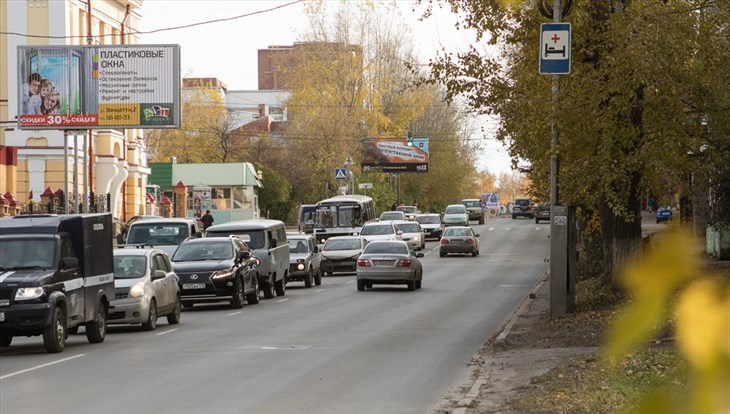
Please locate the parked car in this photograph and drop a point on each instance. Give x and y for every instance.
(542, 212)
(413, 234)
(460, 239)
(664, 214)
(474, 209)
(409, 211)
(216, 269)
(522, 207)
(340, 253)
(380, 230)
(389, 262)
(431, 225)
(304, 260)
(146, 288)
(392, 215)
(456, 215)
(163, 233)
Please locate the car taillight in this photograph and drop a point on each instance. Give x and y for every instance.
(444, 241)
(403, 263)
(469, 241)
(363, 263)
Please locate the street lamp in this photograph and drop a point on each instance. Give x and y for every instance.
(350, 181)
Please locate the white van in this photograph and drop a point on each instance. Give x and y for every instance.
(267, 240)
(162, 233)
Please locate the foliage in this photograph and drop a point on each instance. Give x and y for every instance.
(701, 316)
(274, 197)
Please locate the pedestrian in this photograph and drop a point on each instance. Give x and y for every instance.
(207, 219)
(393, 206)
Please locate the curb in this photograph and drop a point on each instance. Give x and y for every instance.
(501, 338)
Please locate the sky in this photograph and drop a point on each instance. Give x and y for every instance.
(227, 50)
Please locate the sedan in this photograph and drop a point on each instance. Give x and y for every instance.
(413, 234)
(460, 239)
(145, 288)
(380, 230)
(663, 214)
(389, 263)
(340, 253)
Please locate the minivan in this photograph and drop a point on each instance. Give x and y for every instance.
(267, 240)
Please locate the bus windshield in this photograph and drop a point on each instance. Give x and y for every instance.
(346, 215)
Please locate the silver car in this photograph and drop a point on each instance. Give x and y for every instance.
(461, 239)
(456, 215)
(145, 287)
(380, 230)
(304, 260)
(413, 234)
(389, 263)
(340, 253)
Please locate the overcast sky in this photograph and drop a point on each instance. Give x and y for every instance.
(227, 50)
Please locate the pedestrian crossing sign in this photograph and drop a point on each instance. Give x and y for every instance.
(340, 174)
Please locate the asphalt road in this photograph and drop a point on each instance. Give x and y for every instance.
(327, 349)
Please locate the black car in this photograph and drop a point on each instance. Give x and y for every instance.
(542, 212)
(215, 270)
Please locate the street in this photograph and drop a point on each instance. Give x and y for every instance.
(328, 349)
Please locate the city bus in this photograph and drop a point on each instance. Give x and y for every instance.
(342, 215)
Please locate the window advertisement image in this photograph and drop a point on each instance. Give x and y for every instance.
(115, 86)
(395, 155)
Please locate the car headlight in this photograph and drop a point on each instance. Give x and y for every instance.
(416, 238)
(222, 274)
(300, 264)
(136, 291)
(28, 293)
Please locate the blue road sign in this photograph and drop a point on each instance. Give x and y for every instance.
(340, 174)
(555, 48)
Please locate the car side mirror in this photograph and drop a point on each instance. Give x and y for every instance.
(419, 254)
(476, 235)
(315, 249)
(273, 243)
(69, 262)
(158, 274)
(198, 234)
(120, 238)
(244, 255)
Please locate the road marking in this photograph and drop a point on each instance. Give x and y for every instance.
(167, 332)
(513, 286)
(490, 229)
(320, 290)
(282, 300)
(273, 347)
(40, 366)
(234, 313)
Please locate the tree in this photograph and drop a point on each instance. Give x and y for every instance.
(632, 109)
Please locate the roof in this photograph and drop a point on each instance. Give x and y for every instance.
(352, 198)
(254, 224)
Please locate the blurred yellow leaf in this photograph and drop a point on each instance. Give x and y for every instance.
(635, 324)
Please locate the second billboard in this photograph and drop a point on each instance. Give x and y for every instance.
(394, 155)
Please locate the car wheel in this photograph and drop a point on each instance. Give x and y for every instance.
(237, 298)
(481, 220)
(418, 284)
(5, 339)
(411, 285)
(96, 330)
(318, 277)
(187, 305)
(268, 289)
(360, 285)
(442, 254)
(54, 335)
(253, 298)
(280, 286)
(308, 279)
(151, 322)
(474, 253)
(174, 317)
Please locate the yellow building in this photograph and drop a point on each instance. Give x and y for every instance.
(98, 161)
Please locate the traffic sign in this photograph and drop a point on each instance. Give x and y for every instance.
(365, 186)
(340, 174)
(555, 39)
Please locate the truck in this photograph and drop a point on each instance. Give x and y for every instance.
(164, 233)
(56, 274)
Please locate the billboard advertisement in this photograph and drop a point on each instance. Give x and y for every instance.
(99, 86)
(490, 200)
(394, 155)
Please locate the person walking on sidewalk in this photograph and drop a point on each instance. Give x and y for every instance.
(207, 219)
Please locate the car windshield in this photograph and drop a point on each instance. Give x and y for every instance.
(298, 246)
(129, 267)
(342, 244)
(407, 209)
(157, 233)
(27, 253)
(522, 202)
(256, 238)
(408, 227)
(457, 232)
(428, 220)
(345, 215)
(385, 248)
(471, 203)
(393, 215)
(455, 210)
(210, 250)
(377, 230)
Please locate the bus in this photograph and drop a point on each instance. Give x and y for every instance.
(342, 215)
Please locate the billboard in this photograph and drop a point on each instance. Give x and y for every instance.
(489, 200)
(99, 86)
(394, 155)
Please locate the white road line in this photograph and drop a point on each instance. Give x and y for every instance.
(320, 290)
(40, 366)
(352, 281)
(167, 332)
(282, 300)
(490, 229)
(234, 313)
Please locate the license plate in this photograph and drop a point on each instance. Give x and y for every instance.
(194, 286)
(2, 316)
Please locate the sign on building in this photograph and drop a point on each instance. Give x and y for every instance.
(101, 86)
(394, 155)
